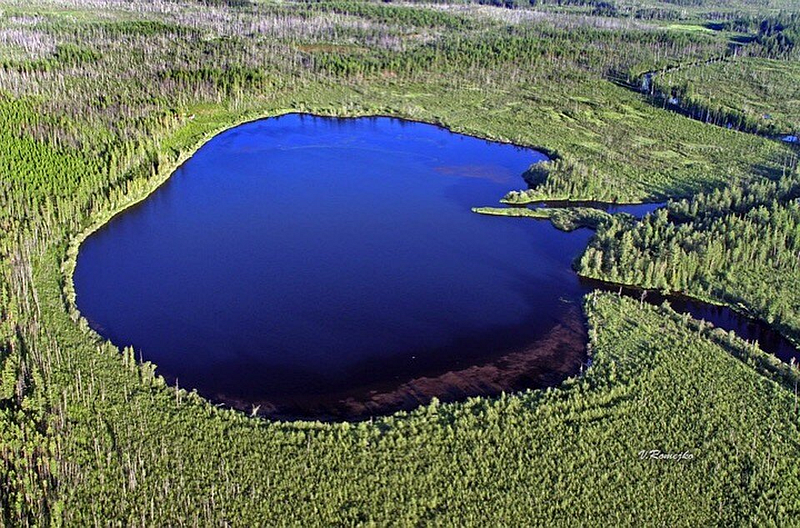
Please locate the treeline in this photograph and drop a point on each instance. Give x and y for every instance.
(65, 55)
(596, 7)
(395, 15)
(230, 80)
(533, 52)
(776, 35)
(738, 198)
(675, 10)
(749, 94)
(683, 98)
(779, 36)
(739, 245)
(565, 178)
(775, 38)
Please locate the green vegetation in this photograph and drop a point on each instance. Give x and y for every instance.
(566, 219)
(144, 453)
(100, 101)
(739, 245)
(750, 93)
(751, 87)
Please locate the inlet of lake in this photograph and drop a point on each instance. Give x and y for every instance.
(327, 268)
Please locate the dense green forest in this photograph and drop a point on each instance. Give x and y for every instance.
(739, 245)
(101, 100)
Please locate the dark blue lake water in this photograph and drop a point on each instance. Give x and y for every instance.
(332, 268)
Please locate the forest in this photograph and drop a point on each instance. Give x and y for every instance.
(739, 245)
(740, 89)
(733, 93)
(100, 101)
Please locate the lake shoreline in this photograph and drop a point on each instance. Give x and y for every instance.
(168, 170)
(172, 168)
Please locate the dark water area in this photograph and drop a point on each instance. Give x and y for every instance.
(330, 269)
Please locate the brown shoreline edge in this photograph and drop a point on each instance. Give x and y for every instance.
(560, 354)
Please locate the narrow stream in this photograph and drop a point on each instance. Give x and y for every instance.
(768, 339)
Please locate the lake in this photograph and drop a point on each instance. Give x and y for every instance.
(331, 269)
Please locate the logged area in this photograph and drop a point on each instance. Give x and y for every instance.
(175, 294)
